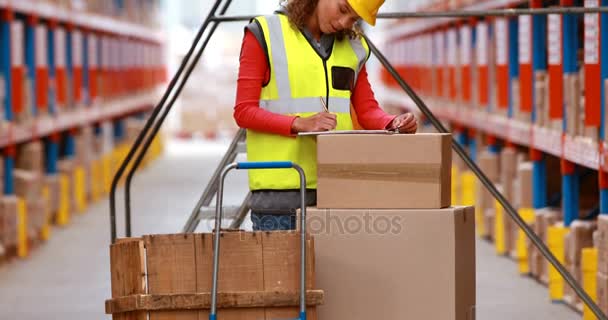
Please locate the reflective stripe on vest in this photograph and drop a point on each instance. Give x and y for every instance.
(300, 105)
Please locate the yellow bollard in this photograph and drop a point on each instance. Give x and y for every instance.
(499, 230)
(97, 180)
(45, 232)
(80, 190)
(589, 271)
(63, 213)
(521, 246)
(556, 237)
(468, 181)
(22, 245)
(455, 185)
(106, 165)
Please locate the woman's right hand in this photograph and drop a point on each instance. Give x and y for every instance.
(322, 121)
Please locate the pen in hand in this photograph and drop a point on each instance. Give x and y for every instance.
(324, 104)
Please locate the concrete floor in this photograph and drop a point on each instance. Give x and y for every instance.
(69, 277)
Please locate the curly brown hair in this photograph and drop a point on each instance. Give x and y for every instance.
(299, 11)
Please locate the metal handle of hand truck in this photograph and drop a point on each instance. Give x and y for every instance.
(218, 221)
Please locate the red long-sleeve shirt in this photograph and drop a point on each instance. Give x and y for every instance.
(254, 72)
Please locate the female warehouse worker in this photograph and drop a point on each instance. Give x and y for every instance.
(303, 69)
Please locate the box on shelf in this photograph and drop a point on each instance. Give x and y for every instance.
(66, 168)
(579, 237)
(602, 291)
(37, 216)
(52, 182)
(28, 184)
(508, 171)
(541, 99)
(545, 218)
(523, 186)
(601, 243)
(489, 223)
(365, 171)
(427, 259)
(8, 221)
(30, 156)
(573, 106)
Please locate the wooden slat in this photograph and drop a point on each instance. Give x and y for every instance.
(128, 274)
(171, 270)
(197, 301)
(241, 269)
(290, 313)
(282, 261)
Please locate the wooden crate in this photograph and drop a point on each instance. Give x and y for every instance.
(170, 276)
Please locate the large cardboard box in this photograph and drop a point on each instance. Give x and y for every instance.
(384, 171)
(395, 264)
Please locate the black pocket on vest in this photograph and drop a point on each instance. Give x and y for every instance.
(343, 78)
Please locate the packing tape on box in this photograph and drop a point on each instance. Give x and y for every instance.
(63, 213)
(22, 245)
(45, 232)
(589, 273)
(414, 172)
(80, 191)
(499, 229)
(556, 237)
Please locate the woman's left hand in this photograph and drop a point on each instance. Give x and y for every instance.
(406, 123)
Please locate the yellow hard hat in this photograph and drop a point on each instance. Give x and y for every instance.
(366, 9)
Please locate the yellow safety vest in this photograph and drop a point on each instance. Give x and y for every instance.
(299, 78)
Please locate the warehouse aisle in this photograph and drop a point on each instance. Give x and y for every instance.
(69, 277)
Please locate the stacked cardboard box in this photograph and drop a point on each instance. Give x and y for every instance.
(66, 168)
(8, 223)
(522, 196)
(574, 107)
(545, 218)
(85, 154)
(579, 237)
(30, 156)
(360, 171)
(488, 163)
(541, 98)
(601, 243)
(508, 171)
(370, 198)
(29, 186)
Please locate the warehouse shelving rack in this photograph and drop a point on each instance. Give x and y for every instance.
(153, 124)
(523, 48)
(63, 70)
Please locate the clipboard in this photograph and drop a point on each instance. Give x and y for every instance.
(342, 132)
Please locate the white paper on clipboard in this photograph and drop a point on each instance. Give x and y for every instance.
(341, 132)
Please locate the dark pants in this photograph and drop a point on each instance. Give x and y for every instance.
(273, 222)
(276, 209)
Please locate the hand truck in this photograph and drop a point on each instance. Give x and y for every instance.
(218, 221)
